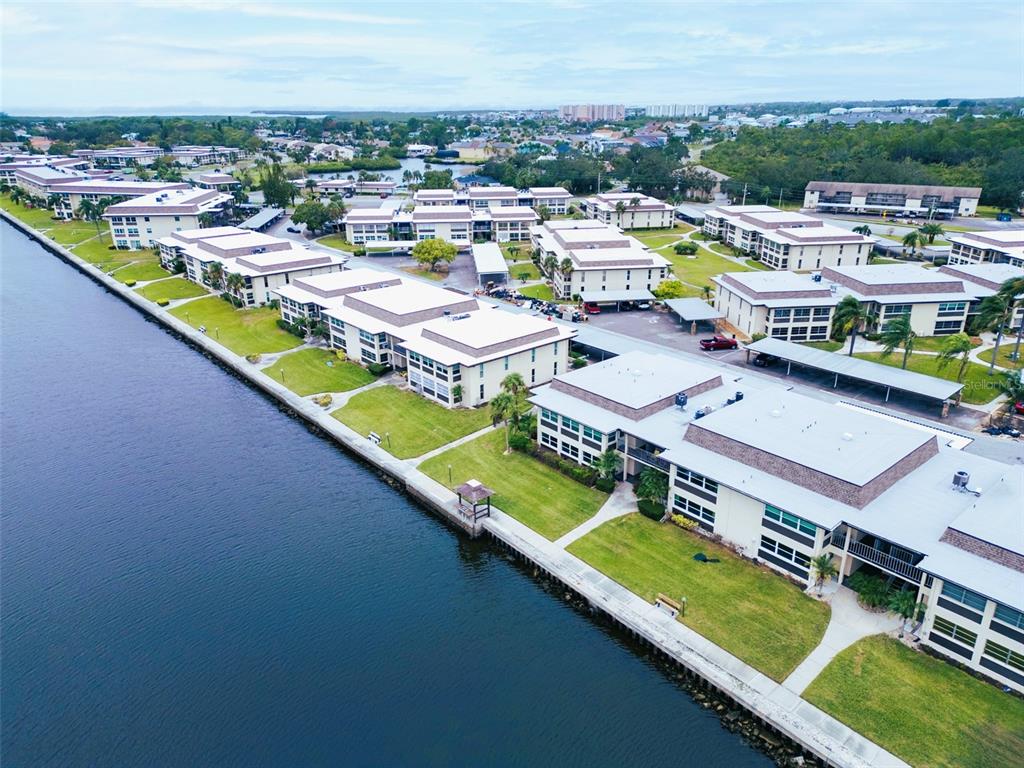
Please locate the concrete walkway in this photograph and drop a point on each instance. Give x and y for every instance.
(849, 623)
(454, 444)
(621, 502)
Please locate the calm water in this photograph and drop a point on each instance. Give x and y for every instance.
(191, 578)
(411, 164)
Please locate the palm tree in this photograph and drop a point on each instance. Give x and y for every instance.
(863, 229)
(550, 265)
(607, 463)
(620, 208)
(653, 485)
(89, 210)
(898, 333)
(824, 568)
(566, 266)
(503, 408)
(849, 318)
(911, 240)
(903, 602)
(956, 346)
(994, 314)
(236, 285)
(54, 201)
(513, 251)
(215, 274)
(17, 194)
(514, 385)
(205, 219)
(705, 292)
(1013, 289)
(931, 230)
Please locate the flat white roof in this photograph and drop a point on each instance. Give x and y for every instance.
(410, 296)
(893, 274)
(488, 259)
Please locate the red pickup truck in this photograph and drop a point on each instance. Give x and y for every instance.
(592, 309)
(718, 342)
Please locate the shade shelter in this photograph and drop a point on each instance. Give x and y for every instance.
(474, 499)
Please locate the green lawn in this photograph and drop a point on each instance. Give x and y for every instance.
(701, 236)
(429, 275)
(415, 424)
(141, 271)
(699, 269)
(525, 488)
(748, 610)
(72, 232)
(934, 343)
(919, 708)
(757, 265)
(828, 346)
(307, 372)
(99, 252)
(243, 331)
(516, 268)
(1005, 350)
(722, 248)
(540, 291)
(658, 241)
(337, 241)
(37, 218)
(170, 289)
(979, 387)
(524, 253)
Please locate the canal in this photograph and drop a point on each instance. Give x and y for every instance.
(190, 577)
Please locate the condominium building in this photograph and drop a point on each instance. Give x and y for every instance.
(783, 478)
(457, 224)
(65, 199)
(796, 306)
(191, 154)
(593, 256)
(121, 157)
(629, 210)
(11, 164)
(1004, 246)
(785, 239)
(907, 199)
(455, 348)
(41, 180)
(141, 222)
(555, 199)
(225, 182)
(266, 262)
(588, 113)
(676, 110)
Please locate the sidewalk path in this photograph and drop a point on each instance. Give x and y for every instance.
(453, 444)
(848, 624)
(621, 502)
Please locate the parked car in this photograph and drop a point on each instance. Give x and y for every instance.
(592, 309)
(294, 229)
(764, 360)
(1019, 407)
(718, 342)
(644, 305)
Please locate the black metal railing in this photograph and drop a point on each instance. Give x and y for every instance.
(886, 561)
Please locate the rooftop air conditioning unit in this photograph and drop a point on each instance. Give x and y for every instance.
(816, 278)
(961, 479)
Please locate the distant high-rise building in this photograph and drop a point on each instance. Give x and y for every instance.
(588, 113)
(677, 110)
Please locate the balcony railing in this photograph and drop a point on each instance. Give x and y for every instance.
(888, 562)
(648, 458)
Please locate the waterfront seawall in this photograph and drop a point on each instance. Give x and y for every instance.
(821, 736)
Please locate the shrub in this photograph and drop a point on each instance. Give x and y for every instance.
(520, 442)
(360, 251)
(685, 248)
(606, 484)
(162, 302)
(651, 509)
(684, 522)
(759, 336)
(324, 400)
(872, 591)
(274, 303)
(377, 369)
(129, 283)
(578, 362)
(253, 358)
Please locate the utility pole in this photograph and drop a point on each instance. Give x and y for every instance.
(780, 198)
(744, 194)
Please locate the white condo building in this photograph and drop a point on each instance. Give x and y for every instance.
(1002, 246)
(904, 199)
(782, 478)
(599, 258)
(141, 222)
(786, 239)
(555, 199)
(629, 210)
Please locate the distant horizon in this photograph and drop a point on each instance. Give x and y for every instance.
(202, 56)
(310, 111)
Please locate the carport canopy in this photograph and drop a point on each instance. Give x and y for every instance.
(489, 262)
(860, 370)
(614, 297)
(693, 310)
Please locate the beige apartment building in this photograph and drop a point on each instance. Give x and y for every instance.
(629, 210)
(142, 222)
(901, 199)
(1004, 246)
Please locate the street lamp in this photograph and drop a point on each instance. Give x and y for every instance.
(449, 474)
(281, 371)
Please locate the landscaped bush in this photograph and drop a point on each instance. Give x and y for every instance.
(293, 328)
(577, 472)
(759, 336)
(606, 484)
(686, 248)
(162, 302)
(129, 283)
(520, 442)
(274, 303)
(684, 522)
(651, 509)
(232, 300)
(377, 369)
(578, 362)
(324, 400)
(253, 359)
(872, 591)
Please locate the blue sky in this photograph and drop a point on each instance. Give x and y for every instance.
(91, 57)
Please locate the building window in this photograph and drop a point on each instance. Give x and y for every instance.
(570, 424)
(693, 509)
(1005, 655)
(481, 391)
(593, 434)
(506, 362)
(789, 520)
(785, 551)
(1008, 615)
(955, 631)
(549, 440)
(964, 596)
(700, 481)
(549, 415)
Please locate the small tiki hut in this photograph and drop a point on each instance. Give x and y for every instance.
(474, 499)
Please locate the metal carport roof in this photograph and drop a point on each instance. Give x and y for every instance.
(692, 309)
(606, 297)
(855, 368)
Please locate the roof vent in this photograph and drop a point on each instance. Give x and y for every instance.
(776, 413)
(961, 479)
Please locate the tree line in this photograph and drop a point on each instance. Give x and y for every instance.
(987, 153)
